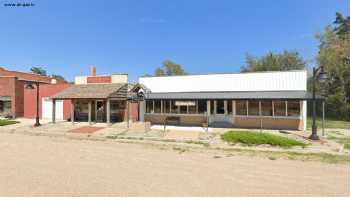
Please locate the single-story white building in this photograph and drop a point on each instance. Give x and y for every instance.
(270, 100)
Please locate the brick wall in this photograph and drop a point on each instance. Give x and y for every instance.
(99, 79)
(134, 111)
(27, 76)
(185, 120)
(19, 98)
(268, 123)
(45, 90)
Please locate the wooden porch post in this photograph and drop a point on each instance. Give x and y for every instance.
(234, 108)
(215, 107)
(208, 107)
(89, 115)
(72, 111)
(108, 113)
(53, 111)
(95, 111)
(261, 122)
(208, 114)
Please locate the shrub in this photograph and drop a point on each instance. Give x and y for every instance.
(254, 138)
(7, 122)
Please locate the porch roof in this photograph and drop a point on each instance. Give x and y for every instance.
(94, 91)
(300, 95)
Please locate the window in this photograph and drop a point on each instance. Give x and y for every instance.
(117, 105)
(192, 109)
(266, 108)
(241, 108)
(202, 106)
(166, 106)
(220, 107)
(1, 106)
(253, 108)
(174, 108)
(280, 108)
(82, 107)
(293, 108)
(149, 106)
(5, 107)
(229, 107)
(157, 106)
(183, 109)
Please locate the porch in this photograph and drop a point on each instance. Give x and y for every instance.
(265, 109)
(95, 103)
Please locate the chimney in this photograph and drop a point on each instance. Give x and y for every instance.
(93, 71)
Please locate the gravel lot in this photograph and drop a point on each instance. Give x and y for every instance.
(46, 166)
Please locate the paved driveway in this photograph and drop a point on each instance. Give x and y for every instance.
(39, 166)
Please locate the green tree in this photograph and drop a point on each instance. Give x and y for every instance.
(342, 25)
(58, 77)
(38, 70)
(169, 68)
(288, 60)
(334, 55)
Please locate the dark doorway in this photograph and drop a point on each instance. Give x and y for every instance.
(101, 111)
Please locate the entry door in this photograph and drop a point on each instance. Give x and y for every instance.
(100, 111)
(46, 109)
(220, 119)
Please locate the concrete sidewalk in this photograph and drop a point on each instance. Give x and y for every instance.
(121, 132)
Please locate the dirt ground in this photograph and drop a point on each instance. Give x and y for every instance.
(35, 166)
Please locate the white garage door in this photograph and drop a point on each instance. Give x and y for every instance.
(47, 109)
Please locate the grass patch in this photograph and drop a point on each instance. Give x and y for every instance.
(271, 155)
(7, 122)
(341, 140)
(254, 138)
(329, 123)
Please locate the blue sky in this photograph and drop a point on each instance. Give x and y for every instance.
(133, 36)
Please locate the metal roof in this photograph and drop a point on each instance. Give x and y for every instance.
(265, 81)
(301, 95)
(96, 91)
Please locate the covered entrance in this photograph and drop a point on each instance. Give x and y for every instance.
(95, 102)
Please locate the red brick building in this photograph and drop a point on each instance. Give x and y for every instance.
(17, 101)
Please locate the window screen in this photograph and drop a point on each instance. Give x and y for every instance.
(293, 108)
(266, 108)
(241, 107)
(280, 108)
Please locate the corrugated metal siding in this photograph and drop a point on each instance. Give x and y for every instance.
(303, 95)
(264, 81)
